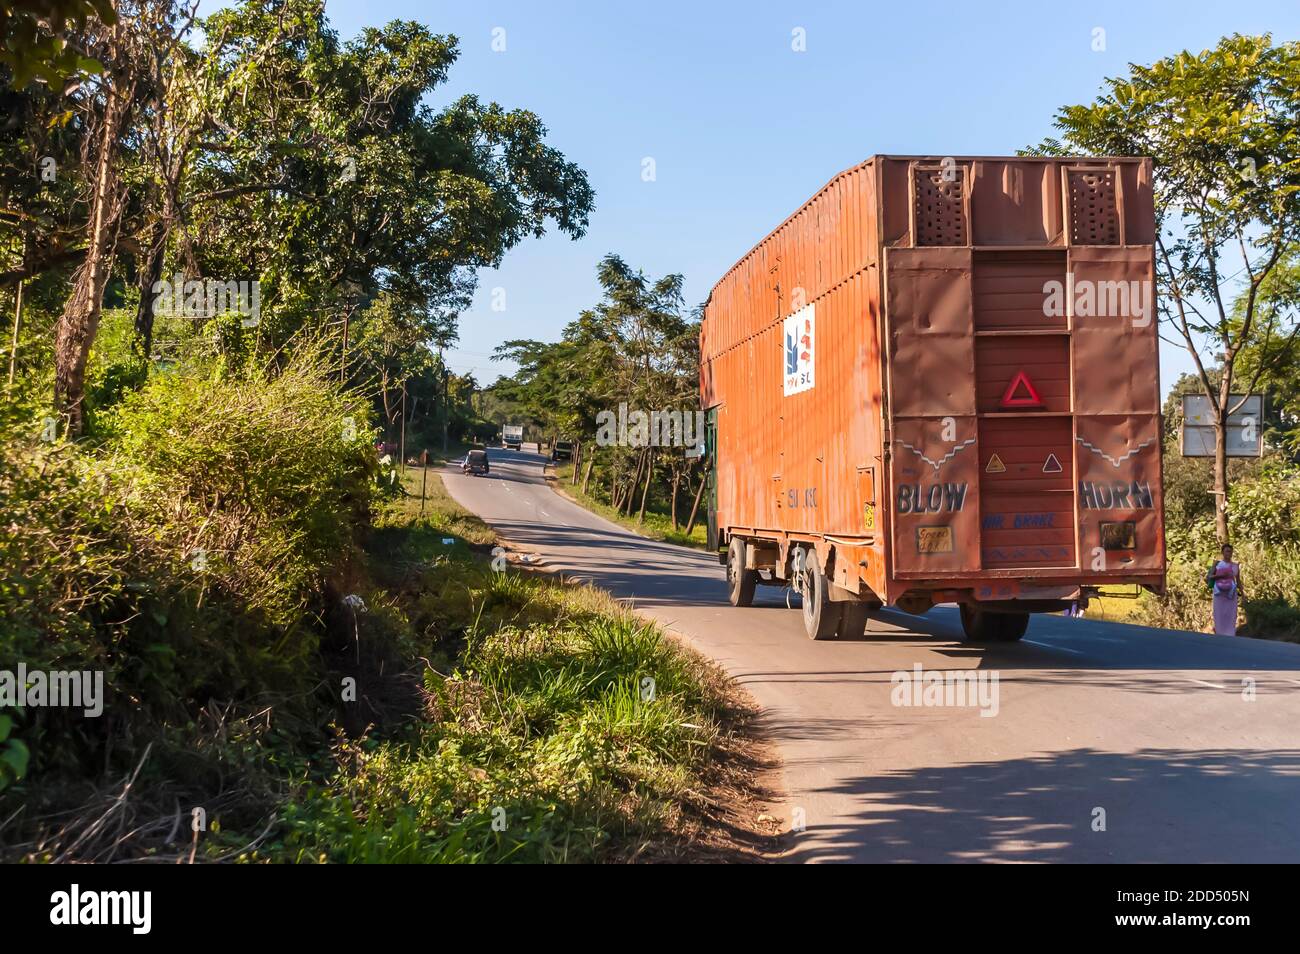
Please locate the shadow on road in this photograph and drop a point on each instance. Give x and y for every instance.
(1042, 809)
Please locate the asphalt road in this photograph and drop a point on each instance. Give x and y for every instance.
(1158, 729)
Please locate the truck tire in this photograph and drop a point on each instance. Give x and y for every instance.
(853, 621)
(821, 617)
(985, 626)
(740, 581)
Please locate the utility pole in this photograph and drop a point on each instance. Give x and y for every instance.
(445, 409)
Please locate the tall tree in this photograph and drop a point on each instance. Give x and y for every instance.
(273, 153)
(106, 105)
(1221, 128)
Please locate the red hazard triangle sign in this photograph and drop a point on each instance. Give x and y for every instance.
(1021, 393)
(1051, 465)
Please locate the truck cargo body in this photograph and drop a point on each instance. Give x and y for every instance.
(512, 436)
(937, 381)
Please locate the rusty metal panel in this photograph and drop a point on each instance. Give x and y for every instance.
(1094, 205)
(1022, 372)
(935, 496)
(1139, 202)
(1016, 202)
(930, 323)
(1116, 355)
(1009, 290)
(1026, 492)
(894, 189)
(1119, 482)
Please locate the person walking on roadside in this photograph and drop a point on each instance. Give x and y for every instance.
(1224, 580)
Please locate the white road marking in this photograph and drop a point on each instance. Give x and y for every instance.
(1034, 642)
(1202, 682)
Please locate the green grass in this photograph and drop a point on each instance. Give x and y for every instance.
(498, 716)
(656, 526)
(554, 725)
(437, 514)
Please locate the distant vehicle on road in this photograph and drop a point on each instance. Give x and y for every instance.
(512, 436)
(476, 462)
(563, 450)
(958, 402)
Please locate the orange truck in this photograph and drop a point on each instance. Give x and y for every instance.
(937, 382)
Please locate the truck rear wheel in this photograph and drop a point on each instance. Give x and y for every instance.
(986, 626)
(740, 581)
(821, 617)
(853, 620)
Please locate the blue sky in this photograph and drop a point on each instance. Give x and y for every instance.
(742, 129)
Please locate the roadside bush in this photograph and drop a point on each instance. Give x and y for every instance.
(187, 557)
(1266, 510)
(259, 483)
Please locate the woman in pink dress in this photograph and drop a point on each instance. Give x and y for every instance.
(1225, 582)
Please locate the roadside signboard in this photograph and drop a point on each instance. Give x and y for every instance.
(1245, 426)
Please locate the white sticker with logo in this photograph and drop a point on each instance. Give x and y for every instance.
(800, 341)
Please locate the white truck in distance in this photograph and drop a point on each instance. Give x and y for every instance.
(512, 436)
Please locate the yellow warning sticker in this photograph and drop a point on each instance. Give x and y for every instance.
(995, 465)
(869, 516)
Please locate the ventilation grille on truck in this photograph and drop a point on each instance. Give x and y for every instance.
(939, 206)
(1094, 219)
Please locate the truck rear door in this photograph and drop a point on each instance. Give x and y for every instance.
(1023, 380)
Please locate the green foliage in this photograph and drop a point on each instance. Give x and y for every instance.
(1220, 128)
(1272, 360)
(67, 561)
(560, 728)
(268, 476)
(32, 40)
(566, 739)
(273, 152)
(546, 708)
(1266, 510)
(339, 185)
(187, 557)
(13, 754)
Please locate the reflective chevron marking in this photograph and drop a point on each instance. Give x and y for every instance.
(936, 464)
(1114, 461)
